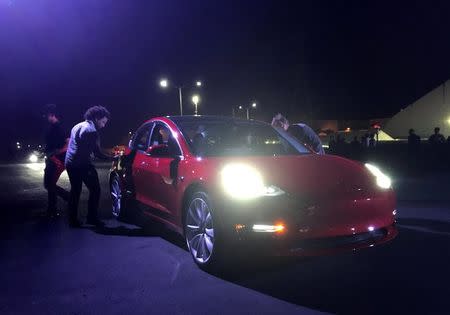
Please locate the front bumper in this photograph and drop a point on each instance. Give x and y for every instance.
(310, 228)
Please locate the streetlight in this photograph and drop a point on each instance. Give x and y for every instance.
(195, 100)
(253, 105)
(164, 83)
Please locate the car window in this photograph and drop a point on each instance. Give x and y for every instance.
(162, 135)
(141, 139)
(225, 138)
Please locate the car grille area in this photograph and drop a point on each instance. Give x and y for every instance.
(339, 241)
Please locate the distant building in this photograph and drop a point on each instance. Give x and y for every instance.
(431, 110)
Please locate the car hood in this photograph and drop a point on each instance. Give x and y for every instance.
(310, 175)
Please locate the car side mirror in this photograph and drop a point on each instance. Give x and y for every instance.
(158, 150)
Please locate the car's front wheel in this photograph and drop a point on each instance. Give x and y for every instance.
(201, 230)
(116, 193)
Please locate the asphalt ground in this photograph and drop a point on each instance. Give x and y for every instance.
(142, 268)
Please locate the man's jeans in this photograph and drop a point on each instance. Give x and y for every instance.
(88, 175)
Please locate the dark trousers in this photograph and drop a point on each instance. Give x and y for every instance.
(52, 172)
(88, 175)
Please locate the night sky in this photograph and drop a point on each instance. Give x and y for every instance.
(306, 59)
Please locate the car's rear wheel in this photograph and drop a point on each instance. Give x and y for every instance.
(202, 231)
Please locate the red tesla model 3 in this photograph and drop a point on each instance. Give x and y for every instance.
(223, 182)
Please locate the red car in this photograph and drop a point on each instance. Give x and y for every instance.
(223, 182)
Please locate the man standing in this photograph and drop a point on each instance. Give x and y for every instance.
(84, 141)
(55, 151)
(436, 138)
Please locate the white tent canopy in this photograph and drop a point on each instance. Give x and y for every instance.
(430, 111)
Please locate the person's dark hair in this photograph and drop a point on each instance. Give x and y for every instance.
(96, 112)
(50, 109)
(279, 121)
(277, 124)
(411, 131)
(437, 129)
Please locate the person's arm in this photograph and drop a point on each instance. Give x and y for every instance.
(98, 152)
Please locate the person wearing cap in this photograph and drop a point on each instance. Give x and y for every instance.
(55, 149)
(85, 142)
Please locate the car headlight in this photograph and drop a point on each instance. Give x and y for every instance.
(241, 181)
(383, 180)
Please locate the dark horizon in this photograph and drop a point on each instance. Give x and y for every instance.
(320, 60)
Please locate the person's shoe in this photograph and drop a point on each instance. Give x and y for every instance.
(75, 224)
(98, 223)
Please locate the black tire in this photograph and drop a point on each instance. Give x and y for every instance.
(203, 232)
(121, 201)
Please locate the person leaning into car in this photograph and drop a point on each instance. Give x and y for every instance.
(84, 141)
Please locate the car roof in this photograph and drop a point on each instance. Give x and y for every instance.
(211, 119)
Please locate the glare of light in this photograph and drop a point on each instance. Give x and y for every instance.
(198, 83)
(278, 228)
(39, 146)
(347, 129)
(195, 99)
(33, 158)
(383, 180)
(254, 105)
(241, 181)
(371, 228)
(17, 143)
(37, 167)
(448, 120)
(164, 83)
(394, 213)
(240, 107)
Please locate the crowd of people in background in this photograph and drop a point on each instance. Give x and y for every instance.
(369, 140)
(417, 154)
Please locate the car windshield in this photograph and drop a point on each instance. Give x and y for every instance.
(238, 138)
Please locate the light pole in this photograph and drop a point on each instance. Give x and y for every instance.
(164, 83)
(248, 109)
(195, 100)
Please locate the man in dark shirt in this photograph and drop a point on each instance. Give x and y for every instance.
(437, 138)
(84, 141)
(55, 150)
(301, 132)
(306, 135)
(413, 140)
